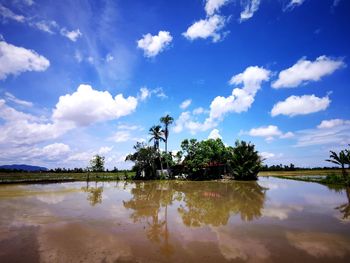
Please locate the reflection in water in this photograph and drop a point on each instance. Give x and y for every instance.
(344, 209)
(174, 221)
(320, 244)
(146, 202)
(212, 204)
(94, 194)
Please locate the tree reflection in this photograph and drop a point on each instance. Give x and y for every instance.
(213, 203)
(94, 194)
(148, 199)
(345, 208)
(202, 203)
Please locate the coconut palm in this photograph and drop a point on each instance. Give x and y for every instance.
(157, 133)
(340, 159)
(166, 120)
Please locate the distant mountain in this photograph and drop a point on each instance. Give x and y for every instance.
(24, 167)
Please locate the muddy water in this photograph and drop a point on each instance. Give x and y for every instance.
(273, 220)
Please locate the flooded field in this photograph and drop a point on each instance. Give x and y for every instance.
(272, 220)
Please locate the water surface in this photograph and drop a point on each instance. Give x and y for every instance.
(272, 220)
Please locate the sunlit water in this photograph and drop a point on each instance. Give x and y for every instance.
(273, 220)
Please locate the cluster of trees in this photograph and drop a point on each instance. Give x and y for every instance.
(198, 160)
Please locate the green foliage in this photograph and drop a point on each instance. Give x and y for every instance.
(341, 159)
(204, 160)
(245, 162)
(97, 163)
(144, 159)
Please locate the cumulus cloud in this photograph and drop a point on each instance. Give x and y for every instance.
(72, 35)
(86, 106)
(305, 70)
(81, 108)
(240, 101)
(8, 14)
(206, 28)
(269, 132)
(153, 45)
(198, 111)
(214, 134)
(212, 6)
(250, 7)
(10, 97)
(15, 60)
(146, 93)
(326, 124)
(241, 98)
(185, 104)
(187, 121)
(300, 105)
(104, 150)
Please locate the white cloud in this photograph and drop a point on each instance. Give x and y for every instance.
(300, 105)
(46, 26)
(86, 106)
(15, 60)
(129, 127)
(269, 132)
(214, 134)
(198, 111)
(267, 155)
(212, 6)
(52, 151)
(326, 124)
(333, 134)
(72, 35)
(104, 150)
(250, 7)
(7, 13)
(124, 136)
(293, 3)
(205, 28)
(153, 45)
(12, 98)
(187, 121)
(241, 98)
(145, 93)
(306, 70)
(109, 57)
(185, 104)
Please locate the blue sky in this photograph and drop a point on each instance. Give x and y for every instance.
(84, 77)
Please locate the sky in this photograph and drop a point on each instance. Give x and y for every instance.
(79, 78)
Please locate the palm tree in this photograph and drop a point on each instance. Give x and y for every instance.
(156, 133)
(166, 120)
(340, 159)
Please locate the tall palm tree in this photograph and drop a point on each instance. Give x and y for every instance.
(166, 120)
(340, 159)
(156, 133)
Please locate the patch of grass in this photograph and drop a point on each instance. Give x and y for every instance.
(47, 177)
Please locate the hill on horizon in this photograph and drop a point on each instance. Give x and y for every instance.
(23, 167)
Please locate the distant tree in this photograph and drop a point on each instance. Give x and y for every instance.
(245, 161)
(166, 120)
(97, 163)
(340, 159)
